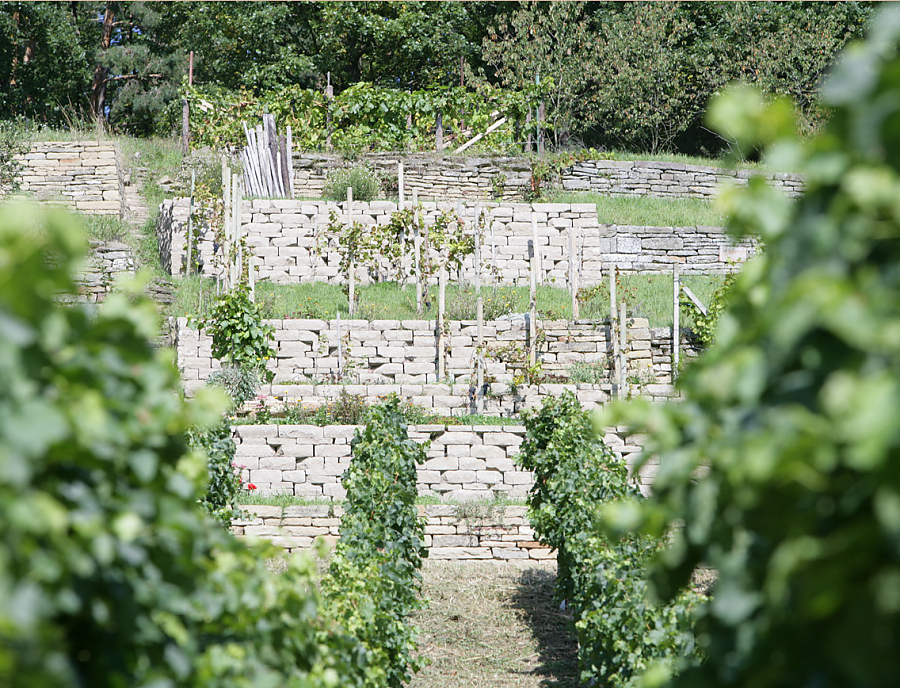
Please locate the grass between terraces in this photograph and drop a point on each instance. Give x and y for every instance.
(646, 211)
(648, 296)
(494, 624)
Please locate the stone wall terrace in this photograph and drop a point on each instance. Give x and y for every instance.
(478, 177)
(287, 238)
(393, 352)
(451, 531)
(82, 175)
(464, 462)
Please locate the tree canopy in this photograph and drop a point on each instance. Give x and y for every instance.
(628, 75)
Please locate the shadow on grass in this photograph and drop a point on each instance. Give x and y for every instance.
(552, 628)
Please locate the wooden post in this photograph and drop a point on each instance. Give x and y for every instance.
(251, 277)
(351, 268)
(190, 232)
(400, 184)
(226, 202)
(479, 392)
(623, 347)
(439, 134)
(532, 308)
(676, 321)
(186, 111)
(340, 347)
(573, 274)
(236, 214)
(442, 308)
(534, 239)
(290, 161)
(479, 315)
(613, 330)
(329, 96)
(417, 252)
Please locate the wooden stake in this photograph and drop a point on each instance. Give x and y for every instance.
(573, 287)
(532, 308)
(351, 268)
(417, 252)
(534, 240)
(477, 256)
(190, 233)
(676, 321)
(623, 346)
(479, 392)
(439, 134)
(442, 308)
(613, 330)
(290, 162)
(226, 201)
(340, 347)
(400, 184)
(251, 276)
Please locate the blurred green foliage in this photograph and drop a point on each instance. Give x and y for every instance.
(780, 466)
(110, 572)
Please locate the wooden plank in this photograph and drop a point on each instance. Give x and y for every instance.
(478, 138)
(697, 302)
(290, 158)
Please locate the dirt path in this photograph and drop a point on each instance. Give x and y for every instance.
(494, 624)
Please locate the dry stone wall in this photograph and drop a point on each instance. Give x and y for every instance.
(464, 462)
(290, 243)
(434, 178)
(451, 531)
(438, 178)
(82, 175)
(380, 355)
(106, 263)
(665, 179)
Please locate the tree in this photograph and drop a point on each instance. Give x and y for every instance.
(552, 43)
(43, 63)
(782, 463)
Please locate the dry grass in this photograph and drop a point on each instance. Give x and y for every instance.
(494, 624)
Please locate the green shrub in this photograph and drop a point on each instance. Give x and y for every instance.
(240, 338)
(240, 384)
(621, 633)
(704, 327)
(374, 580)
(111, 574)
(224, 484)
(366, 184)
(11, 144)
(589, 373)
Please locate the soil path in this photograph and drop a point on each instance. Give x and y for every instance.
(494, 624)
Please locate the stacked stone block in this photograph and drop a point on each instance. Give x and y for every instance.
(106, 263)
(379, 355)
(666, 179)
(478, 177)
(82, 175)
(464, 462)
(451, 531)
